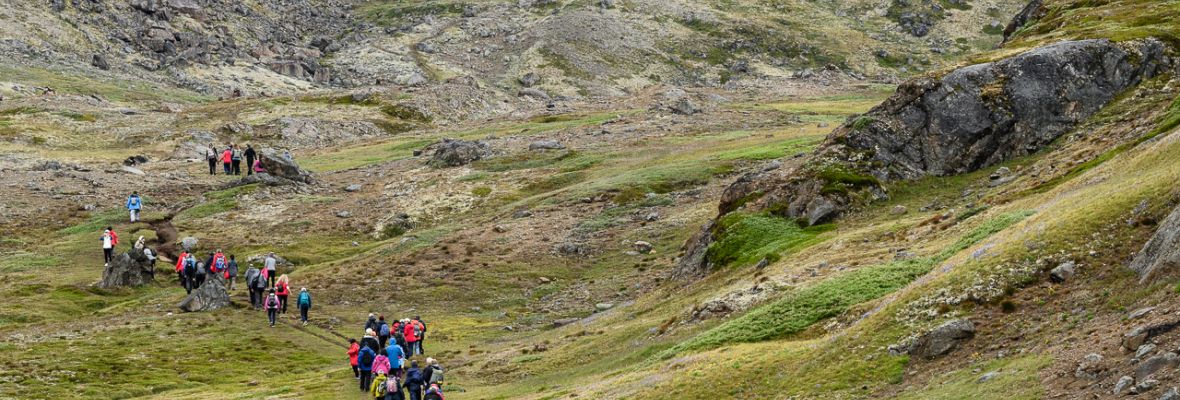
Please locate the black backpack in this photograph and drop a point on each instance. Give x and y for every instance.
(367, 357)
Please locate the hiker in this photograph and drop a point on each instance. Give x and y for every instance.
(365, 358)
(270, 263)
(108, 247)
(190, 273)
(393, 387)
(250, 159)
(382, 331)
(434, 393)
(414, 381)
(381, 363)
(211, 156)
(227, 159)
(397, 356)
(411, 333)
(133, 205)
(304, 304)
(253, 278)
(433, 374)
(371, 323)
(180, 277)
(236, 160)
(217, 263)
(354, 348)
(378, 388)
(231, 271)
(421, 333)
(258, 169)
(284, 290)
(370, 340)
(199, 275)
(272, 307)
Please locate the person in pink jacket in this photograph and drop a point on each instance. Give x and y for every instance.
(227, 157)
(381, 363)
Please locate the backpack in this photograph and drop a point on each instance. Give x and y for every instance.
(134, 201)
(380, 387)
(391, 385)
(434, 393)
(367, 357)
(417, 330)
(273, 302)
(436, 376)
(190, 266)
(384, 329)
(219, 263)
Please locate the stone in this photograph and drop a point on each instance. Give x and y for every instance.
(499, 229)
(643, 247)
(343, 214)
(943, 339)
(987, 377)
(1123, 384)
(684, 106)
(1145, 386)
(352, 188)
(1034, 10)
(572, 249)
(133, 170)
(544, 280)
(529, 80)
(533, 92)
(1140, 313)
(1062, 272)
(454, 153)
(281, 165)
(557, 323)
(210, 296)
(130, 269)
(546, 145)
(189, 243)
(1154, 364)
(898, 210)
(763, 263)
(1144, 350)
(1138, 336)
(1090, 368)
(652, 216)
(603, 306)
(1171, 394)
(1162, 251)
(100, 61)
(522, 213)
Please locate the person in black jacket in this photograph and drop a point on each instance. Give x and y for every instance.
(371, 323)
(250, 154)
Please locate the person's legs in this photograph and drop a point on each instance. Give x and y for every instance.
(271, 314)
(303, 313)
(106, 255)
(283, 303)
(212, 167)
(382, 340)
(249, 166)
(366, 376)
(356, 372)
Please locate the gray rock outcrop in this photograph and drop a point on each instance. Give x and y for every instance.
(941, 340)
(965, 120)
(281, 165)
(1162, 251)
(129, 269)
(210, 296)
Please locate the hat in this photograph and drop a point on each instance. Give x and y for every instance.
(302, 289)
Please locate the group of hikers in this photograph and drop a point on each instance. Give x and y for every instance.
(231, 159)
(379, 361)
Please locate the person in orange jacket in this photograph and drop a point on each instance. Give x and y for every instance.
(353, 350)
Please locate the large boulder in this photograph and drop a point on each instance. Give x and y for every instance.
(940, 340)
(962, 121)
(1162, 251)
(282, 165)
(132, 268)
(210, 296)
(454, 153)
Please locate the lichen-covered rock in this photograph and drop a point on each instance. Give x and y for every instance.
(1162, 251)
(132, 268)
(454, 153)
(210, 296)
(971, 118)
(940, 340)
(281, 165)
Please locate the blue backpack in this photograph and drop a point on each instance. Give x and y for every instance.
(384, 329)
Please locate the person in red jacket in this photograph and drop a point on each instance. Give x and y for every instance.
(227, 158)
(411, 335)
(219, 263)
(353, 350)
(283, 289)
(180, 267)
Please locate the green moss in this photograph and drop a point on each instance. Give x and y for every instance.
(774, 150)
(745, 238)
(862, 122)
(481, 191)
(840, 179)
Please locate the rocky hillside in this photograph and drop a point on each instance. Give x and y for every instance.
(600, 199)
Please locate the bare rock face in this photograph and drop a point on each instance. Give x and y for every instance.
(454, 153)
(968, 119)
(128, 269)
(210, 296)
(938, 341)
(1162, 251)
(1031, 12)
(281, 165)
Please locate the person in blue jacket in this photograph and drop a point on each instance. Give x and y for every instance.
(304, 303)
(397, 357)
(365, 361)
(134, 204)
